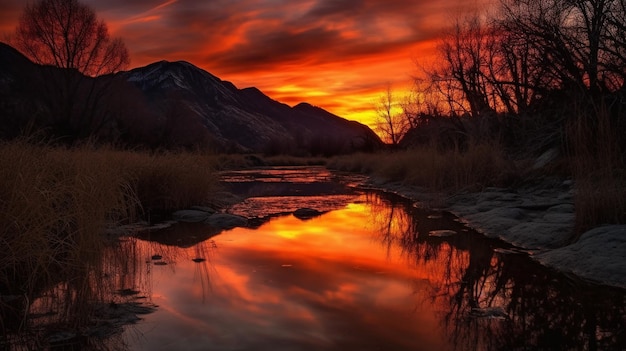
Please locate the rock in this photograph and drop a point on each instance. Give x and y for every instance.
(508, 212)
(206, 209)
(513, 251)
(488, 205)
(491, 223)
(597, 256)
(540, 235)
(559, 217)
(545, 158)
(306, 213)
(562, 208)
(533, 217)
(442, 233)
(223, 221)
(491, 193)
(191, 216)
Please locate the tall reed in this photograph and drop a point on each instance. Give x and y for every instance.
(599, 169)
(56, 202)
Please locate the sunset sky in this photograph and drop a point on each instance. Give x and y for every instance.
(337, 54)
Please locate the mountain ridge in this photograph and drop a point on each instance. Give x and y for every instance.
(261, 121)
(177, 104)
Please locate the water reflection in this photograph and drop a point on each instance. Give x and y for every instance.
(319, 284)
(303, 182)
(494, 298)
(85, 306)
(290, 175)
(375, 274)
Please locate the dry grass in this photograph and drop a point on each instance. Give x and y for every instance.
(172, 181)
(480, 166)
(599, 171)
(243, 161)
(55, 203)
(286, 160)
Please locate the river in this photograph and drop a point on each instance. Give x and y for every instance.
(372, 271)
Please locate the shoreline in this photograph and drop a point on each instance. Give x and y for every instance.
(537, 218)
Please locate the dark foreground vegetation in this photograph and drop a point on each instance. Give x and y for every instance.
(56, 204)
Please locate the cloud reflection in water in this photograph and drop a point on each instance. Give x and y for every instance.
(368, 276)
(326, 283)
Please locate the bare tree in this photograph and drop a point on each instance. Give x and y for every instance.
(579, 42)
(472, 73)
(391, 125)
(530, 50)
(531, 68)
(424, 100)
(515, 77)
(67, 34)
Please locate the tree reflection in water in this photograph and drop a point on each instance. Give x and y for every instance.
(178, 243)
(88, 304)
(487, 297)
(494, 298)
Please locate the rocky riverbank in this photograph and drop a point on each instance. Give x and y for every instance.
(538, 218)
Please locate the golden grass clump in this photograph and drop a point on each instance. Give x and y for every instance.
(172, 181)
(53, 203)
(479, 166)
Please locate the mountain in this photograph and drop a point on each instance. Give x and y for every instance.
(244, 118)
(19, 104)
(167, 104)
(10, 57)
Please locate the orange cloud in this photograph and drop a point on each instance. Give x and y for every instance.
(338, 55)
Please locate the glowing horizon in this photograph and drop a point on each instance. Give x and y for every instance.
(339, 55)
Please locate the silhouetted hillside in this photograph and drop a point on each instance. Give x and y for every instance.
(169, 104)
(246, 118)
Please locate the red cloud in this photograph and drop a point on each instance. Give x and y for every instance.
(333, 54)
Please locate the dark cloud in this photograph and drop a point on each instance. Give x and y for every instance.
(10, 12)
(272, 48)
(243, 35)
(330, 31)
(277, 43)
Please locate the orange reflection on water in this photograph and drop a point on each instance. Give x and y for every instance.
(329, 282)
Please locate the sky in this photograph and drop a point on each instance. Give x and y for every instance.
(340, 55)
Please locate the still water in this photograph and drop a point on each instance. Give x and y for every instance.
(372, 272)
